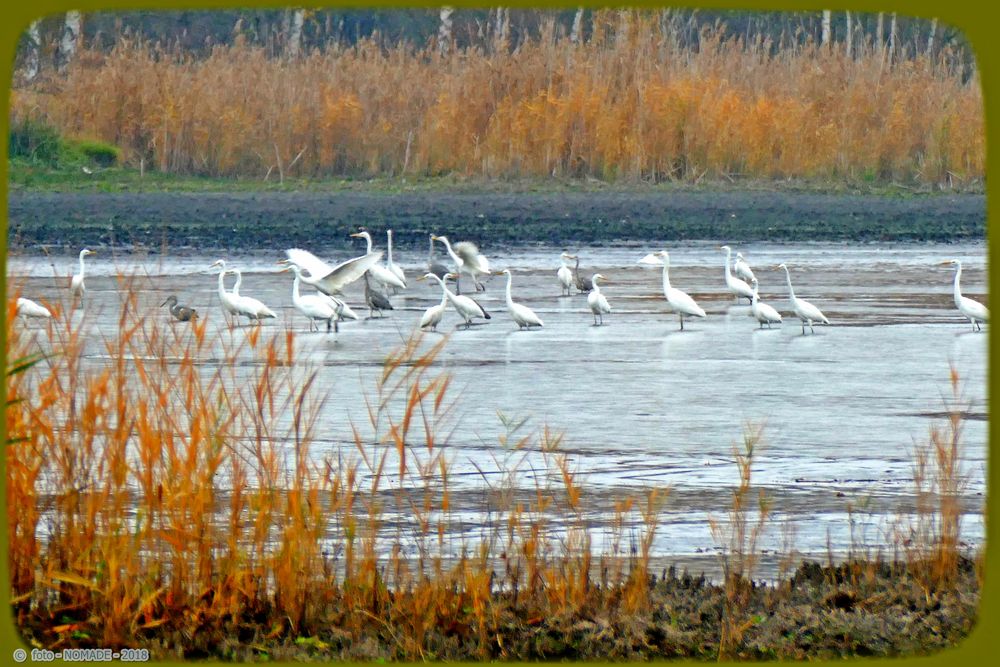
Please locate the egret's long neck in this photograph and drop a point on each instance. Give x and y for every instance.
(576, 267)
(666, 275)
(788, 279)
(389, 236)
(958, 279)
(445, 292)
(222, 283)
(295, 289)
(458, 260)
(81, 265)
(239, 281)
(510, 279)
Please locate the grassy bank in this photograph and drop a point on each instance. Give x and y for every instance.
(171, 499)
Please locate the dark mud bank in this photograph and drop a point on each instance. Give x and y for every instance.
(254, 220)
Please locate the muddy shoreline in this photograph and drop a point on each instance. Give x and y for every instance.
(252, 220)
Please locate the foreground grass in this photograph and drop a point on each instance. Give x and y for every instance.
(170, 500)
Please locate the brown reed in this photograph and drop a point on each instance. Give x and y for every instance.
(631, 104)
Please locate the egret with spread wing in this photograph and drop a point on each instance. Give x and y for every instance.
(468, 260)
(328, 279)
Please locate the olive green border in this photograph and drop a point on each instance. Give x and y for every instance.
(973, 17)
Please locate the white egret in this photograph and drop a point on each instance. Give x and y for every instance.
(313, 306)
(467, 259)
(392, 266)
(805, 311)
(465, 306)
(975, 311)
(329, 279)
(432, 316)
(764, 313)
(434, 266)
(651, 259)
(377, 271)
(679, 301)
(583, 283)
(735, 285)
(76, 285)
(180, 313)
(742, 269)
(375, 300)
(236, 304)
(524, 317)
(565, 274)
(27, 308)
(599, 305)
(227, 299)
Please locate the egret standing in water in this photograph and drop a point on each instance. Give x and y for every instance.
(975, 311)
(805, 311)
(316, 307)
(27, 308)
(468, 260)
(233, 302)
(599, 305)
(180, 313)
(764, 313)
(679, 301)
(742, 269)
(523, 316)
(434, 266)
(465, 306)
(377, 271)
(432, 316)
(375, 300)
(565, 274)
(76, 286)
(735, 285)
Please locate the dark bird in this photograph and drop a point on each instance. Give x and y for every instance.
(376, 300)
(583, 283)
(181, 313)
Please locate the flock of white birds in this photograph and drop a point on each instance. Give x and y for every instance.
(327, 304)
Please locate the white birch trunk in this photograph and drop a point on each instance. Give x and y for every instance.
(849, 37)
(892, 36)
(827, 17)
(879, 25)
(930, 38)
(294, 46)
(70, 39)
(33, 58)
(445, 31)
(576, 34)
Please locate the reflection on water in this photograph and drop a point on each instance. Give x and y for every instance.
(641, 402)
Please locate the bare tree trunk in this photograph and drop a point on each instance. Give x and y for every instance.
(849, 37)
(445, 31)
(294, 45)
(69, 40)
(825, 39)
(576, 35)
(930, 38)
(878, 31)
(501, 29)
(892, 36)
(33, 58)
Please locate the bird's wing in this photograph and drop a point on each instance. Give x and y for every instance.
(309, 262)
(686, 304)
(485, 314)
(342, 275)
(467, 250)
(651, 260)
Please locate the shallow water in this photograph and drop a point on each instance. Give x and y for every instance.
(641, 403)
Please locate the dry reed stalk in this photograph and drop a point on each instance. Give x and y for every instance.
(640, 108)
